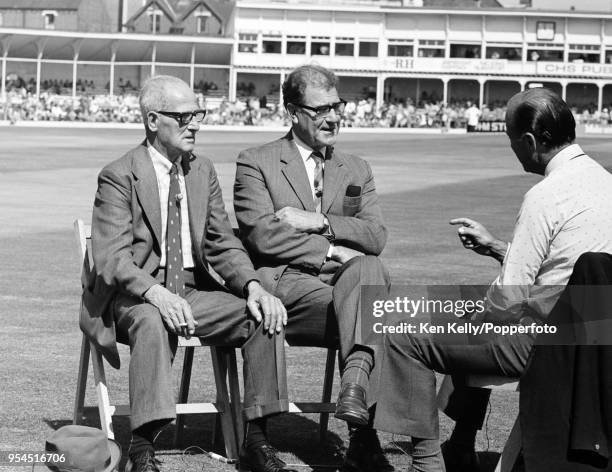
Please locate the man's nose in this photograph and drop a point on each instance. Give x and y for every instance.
(333, 116)
(194, 125)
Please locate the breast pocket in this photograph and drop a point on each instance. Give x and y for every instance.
(350, 205)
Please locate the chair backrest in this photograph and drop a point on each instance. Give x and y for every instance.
(82, 233)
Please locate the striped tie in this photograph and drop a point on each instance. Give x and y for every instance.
(175, 280)
(318, 179)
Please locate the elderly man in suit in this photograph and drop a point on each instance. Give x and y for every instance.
(158, 223)
(566, 214)
(310, 219)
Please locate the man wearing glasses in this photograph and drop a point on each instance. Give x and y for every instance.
(158, 223)
(310, 219)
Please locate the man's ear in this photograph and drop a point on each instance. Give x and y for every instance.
(291, 112)
(531, 142)
(152, 121)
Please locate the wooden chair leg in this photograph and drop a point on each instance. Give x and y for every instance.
(183, 394)
(511, 450)
(328, 383)
(234, 391)
(219, 362)
(105, 409)
(79, 401)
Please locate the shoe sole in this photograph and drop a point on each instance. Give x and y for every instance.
(352, 419)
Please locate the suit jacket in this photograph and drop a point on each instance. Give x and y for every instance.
(273, 176)
(566, 392)
(126, 238)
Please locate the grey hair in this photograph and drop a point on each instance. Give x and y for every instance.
(154, 93)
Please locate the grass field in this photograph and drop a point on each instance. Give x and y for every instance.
(48, 178)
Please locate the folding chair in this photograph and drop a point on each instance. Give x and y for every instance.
(512, 447)
(227, 402)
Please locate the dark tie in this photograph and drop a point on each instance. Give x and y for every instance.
(318, 179)
(175, 281)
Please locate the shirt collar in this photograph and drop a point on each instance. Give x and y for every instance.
(304, 149)
(563, 157)
(160, 162)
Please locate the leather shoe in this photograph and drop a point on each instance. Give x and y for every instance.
(351, 405)
(364, 453)
(458, 458)
(144, 462)
(262, 458)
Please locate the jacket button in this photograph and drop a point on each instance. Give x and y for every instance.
(276, 277)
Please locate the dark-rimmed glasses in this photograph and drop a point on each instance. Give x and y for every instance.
(184, 118)
(323, 111)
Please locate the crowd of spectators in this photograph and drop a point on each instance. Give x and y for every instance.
(22, 105)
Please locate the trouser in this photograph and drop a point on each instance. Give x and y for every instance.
(223, 320)
(328, 315)
(406, 398)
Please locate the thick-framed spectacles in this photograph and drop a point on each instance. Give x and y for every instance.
(184, 118)
(323, 111)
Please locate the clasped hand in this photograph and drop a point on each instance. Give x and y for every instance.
(301, 220)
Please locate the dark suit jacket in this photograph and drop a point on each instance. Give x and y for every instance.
(126, 237)
(566, 392)
(273, 176)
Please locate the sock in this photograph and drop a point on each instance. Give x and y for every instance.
(142, 438)
(255, 433)
(358, 366)
(426, 455)
(464, 435)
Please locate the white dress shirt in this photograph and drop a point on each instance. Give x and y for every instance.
(162, 168)
(310, 164)
(564, 215)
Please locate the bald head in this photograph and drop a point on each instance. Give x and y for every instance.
(161, 92)
(542, 113)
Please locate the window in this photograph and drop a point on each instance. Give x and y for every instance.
(468, 51)
(155, 17)
(545, 52)
(431, 48)
(271, 44)
(368, 48)
(247, 42)
(510, 53)
(296, 45)
(583, 53)
(49, 18)
(345, 47)
(319, 46)
(201, 18)
(400, 48)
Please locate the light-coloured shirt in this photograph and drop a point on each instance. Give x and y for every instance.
(566, 214)
(472, 114)
(162, 168)
(309, 162)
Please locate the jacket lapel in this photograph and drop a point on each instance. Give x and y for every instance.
(197, 200)
(146, 189)
(295, 172)
(334, 176)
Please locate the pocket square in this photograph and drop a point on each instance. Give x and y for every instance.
(353, 191)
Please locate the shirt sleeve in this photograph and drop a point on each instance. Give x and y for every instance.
(533, 232)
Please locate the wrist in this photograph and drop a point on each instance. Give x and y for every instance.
(249, 286)
(497, 249)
